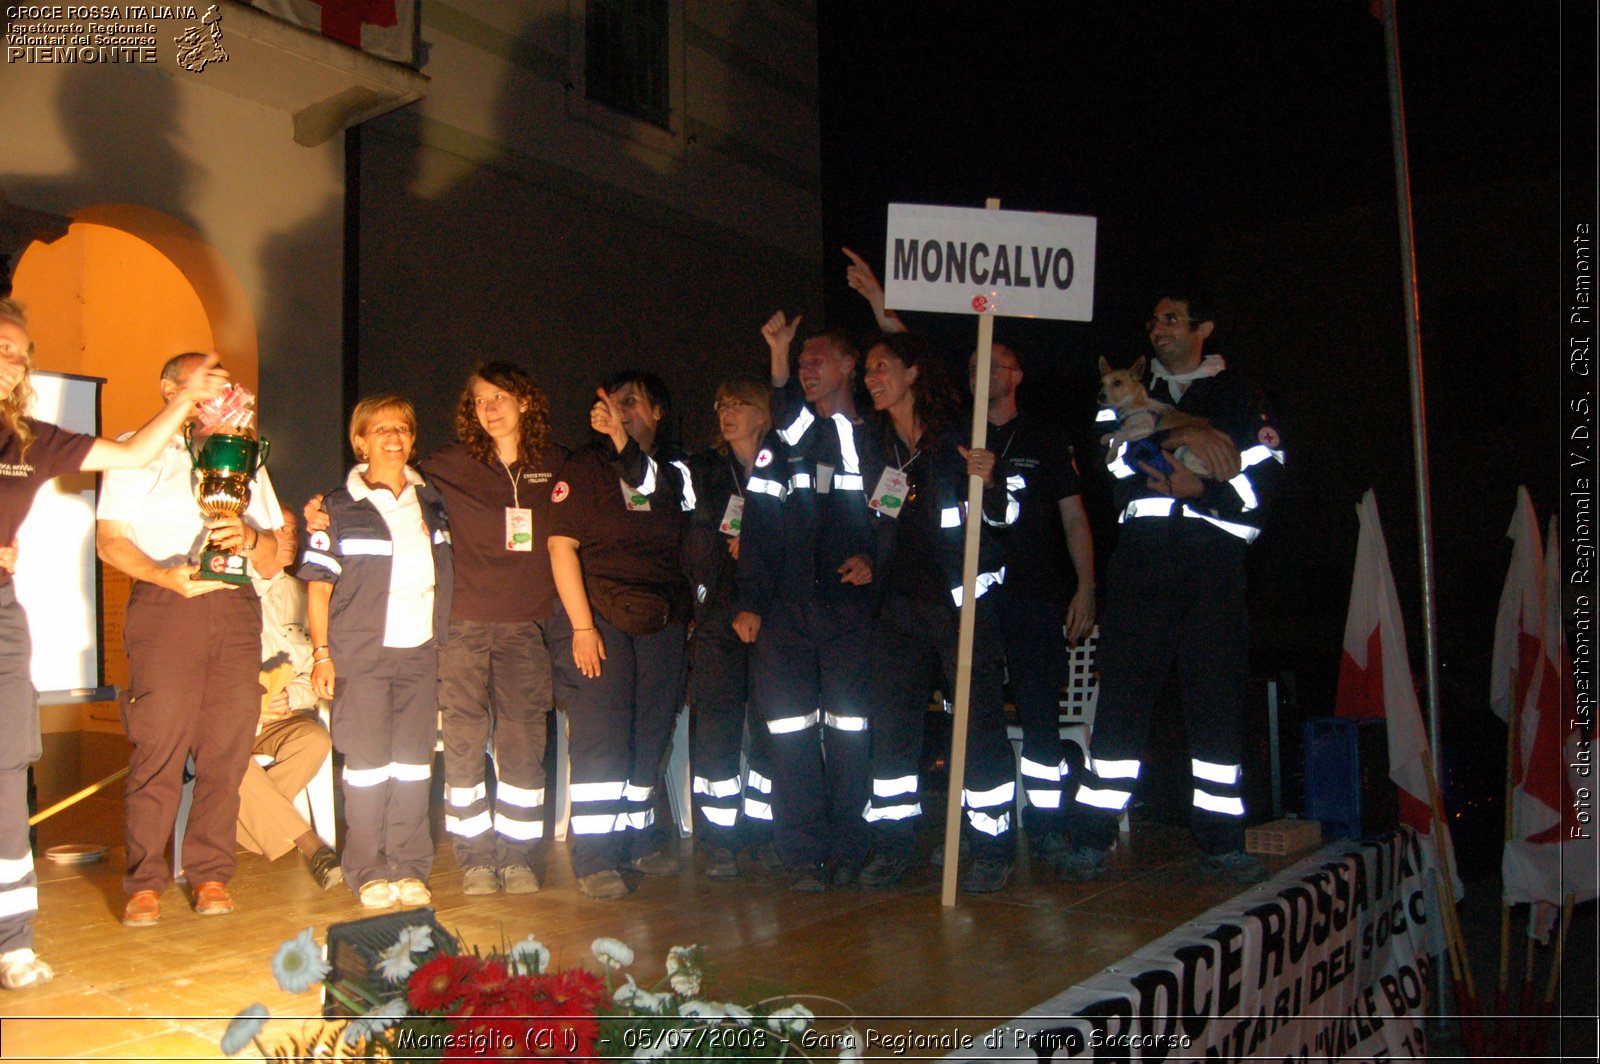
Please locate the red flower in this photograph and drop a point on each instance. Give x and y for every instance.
(486, 983)
(439, 983)
(576, 990)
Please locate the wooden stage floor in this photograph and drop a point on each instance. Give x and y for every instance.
(897, 958)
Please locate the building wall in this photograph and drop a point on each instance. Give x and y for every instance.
(508, 216)
(219, 183)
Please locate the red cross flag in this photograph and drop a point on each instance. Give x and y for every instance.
(1549, 855)
(1518, 624)
(384, 28)
(1375, 677)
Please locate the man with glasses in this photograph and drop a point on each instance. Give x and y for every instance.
(1176, 597)
(1034, 603)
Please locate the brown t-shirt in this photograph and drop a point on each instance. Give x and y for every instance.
(494, 584)
(639, 547)
(54, 451)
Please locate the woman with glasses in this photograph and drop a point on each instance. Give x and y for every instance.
(719, 679)
(618, 517)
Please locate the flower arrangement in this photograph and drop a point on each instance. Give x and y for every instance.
(431, 1000)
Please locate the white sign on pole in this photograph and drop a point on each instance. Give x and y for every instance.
(964, 260)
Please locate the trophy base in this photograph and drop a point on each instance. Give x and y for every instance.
(222, 566)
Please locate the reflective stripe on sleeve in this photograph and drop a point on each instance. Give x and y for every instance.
(380, 547)
(327, 561)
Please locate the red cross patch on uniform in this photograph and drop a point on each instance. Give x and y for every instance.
(560, 491)
(764, 458)
(319, 541)
(1269, 437)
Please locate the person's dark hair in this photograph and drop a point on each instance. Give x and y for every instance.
(654, 389)
(533, 428)
(935, 394)
(1199, 303)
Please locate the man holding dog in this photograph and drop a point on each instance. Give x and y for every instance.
(1176, 596)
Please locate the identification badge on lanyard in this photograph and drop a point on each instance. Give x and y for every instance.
(632, 497)
(519, 528)
(733, 516)
(891, 492)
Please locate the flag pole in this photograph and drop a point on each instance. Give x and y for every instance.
(967, 636)
(1419, 412)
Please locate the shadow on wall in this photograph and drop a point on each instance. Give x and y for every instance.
(477, 249)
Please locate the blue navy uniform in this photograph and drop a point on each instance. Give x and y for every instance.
(385, 703)
(620, 721)
(917, 632)
(806, 513)
(1037, 465)
(735, 808)
(1176, 598)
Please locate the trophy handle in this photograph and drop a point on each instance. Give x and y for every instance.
(188, 443)
(261, 456)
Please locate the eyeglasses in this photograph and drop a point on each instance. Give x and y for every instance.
(730, 404)
(1169, 318)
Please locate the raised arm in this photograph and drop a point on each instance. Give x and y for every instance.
(860, 277)
(141, 448)
(779, 333)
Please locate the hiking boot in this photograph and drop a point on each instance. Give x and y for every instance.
(604, 886)
(986, 875)
(936, 858)
(657, 863)
(480, 880)
(519, 879)
(1049, 848)
(722, 864)
(883, 870)
(1080, 864)
(808, 879)
(21, 968)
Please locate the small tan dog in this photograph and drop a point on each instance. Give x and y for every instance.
(1139, 416)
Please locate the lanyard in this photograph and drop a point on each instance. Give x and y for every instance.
(907, 464)
(734, 469)
(516, 500)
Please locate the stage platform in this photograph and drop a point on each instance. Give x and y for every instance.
(917, 976)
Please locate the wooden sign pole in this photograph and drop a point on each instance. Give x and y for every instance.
(962, 695)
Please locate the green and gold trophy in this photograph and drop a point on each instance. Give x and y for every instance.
(226, 452)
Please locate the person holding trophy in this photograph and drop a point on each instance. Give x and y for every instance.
(378, 586)
(31, 453)
(193, 654)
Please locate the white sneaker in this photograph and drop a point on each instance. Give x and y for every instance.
(412, 892)
(21, 968)
(377, 894)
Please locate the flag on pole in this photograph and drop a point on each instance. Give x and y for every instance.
(1375, 678)
(384, 28)
(1519, 623)
(1543, 862)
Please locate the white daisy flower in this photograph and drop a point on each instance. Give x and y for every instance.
(529, 957)
(612, 953)
(298, 965)
(243, 1028)
(791, 1019)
